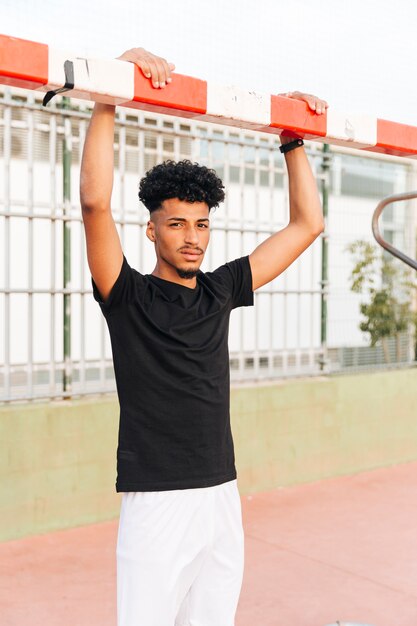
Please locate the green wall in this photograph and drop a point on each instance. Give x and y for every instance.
(58, 465)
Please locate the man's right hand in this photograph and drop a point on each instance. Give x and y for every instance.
(153, 67)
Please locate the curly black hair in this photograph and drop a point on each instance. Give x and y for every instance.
(184, 180)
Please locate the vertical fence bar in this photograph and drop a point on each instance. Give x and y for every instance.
(312, 302)
(257, 224)
(298, 357)
(82, 361)
(285, 286)
(141, 208)
(324, 257)
(411, 250)
(270, 171)
(66, 165)
(226, 205)
(122, 174)
(210, 164)
(242, 359)
(30, 139)
(7, 158)
(52, 279)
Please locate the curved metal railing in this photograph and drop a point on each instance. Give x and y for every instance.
(410, 195)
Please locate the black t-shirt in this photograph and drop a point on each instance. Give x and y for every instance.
(171, 363)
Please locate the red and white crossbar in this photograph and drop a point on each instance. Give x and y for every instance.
(36, 66)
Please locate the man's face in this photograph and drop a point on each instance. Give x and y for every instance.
(181, 233)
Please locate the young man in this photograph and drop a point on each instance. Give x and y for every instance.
(180, 540)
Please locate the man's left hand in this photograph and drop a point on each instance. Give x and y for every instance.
(316, 104)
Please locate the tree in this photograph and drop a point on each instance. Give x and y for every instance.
(390, 286)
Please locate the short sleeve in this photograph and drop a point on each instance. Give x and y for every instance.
(236, 275)
(122, 291)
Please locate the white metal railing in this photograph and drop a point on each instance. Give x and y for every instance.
(279, 337)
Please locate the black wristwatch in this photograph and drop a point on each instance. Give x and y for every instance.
(286, 147)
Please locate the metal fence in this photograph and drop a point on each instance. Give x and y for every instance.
(56, 342)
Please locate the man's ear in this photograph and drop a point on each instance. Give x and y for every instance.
(150, 230)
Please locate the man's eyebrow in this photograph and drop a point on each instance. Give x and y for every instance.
(183, 219)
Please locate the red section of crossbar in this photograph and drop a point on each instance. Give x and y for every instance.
(297, 118)
(23, 63)
(395, 138)
(185, 94)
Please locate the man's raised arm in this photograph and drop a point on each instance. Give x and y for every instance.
(277, 252)
(104, 250)
(96, 177)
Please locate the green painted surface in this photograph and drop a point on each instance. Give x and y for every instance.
(58, 459)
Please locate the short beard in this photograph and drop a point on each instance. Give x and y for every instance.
(188, 274)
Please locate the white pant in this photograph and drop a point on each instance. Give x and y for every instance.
(180, 557)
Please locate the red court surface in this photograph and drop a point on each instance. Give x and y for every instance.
(339, 549)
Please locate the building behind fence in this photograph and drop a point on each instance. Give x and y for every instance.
(55, 341)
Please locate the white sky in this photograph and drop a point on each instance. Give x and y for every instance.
(359, 55)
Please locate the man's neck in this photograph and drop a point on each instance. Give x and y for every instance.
(173, 277)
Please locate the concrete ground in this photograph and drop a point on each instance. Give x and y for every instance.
(340, 549)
